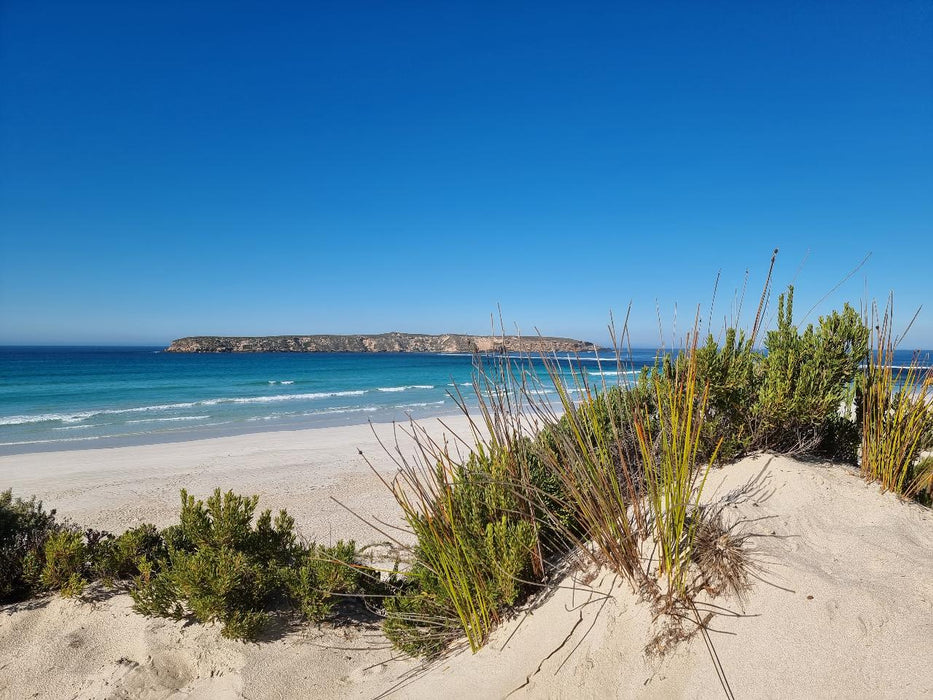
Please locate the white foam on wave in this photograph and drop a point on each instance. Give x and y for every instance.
(406, 387)
(420, 405)
(84, 415)
(162, 420)
(359, 409)
(80, 416)
(43, 442)
(283, 381)
(290, 397)
(97, 437)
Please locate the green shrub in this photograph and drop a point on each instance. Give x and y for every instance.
(419, 619)
(65, 563)
(808, 381)
(24, 528)
(731, 372)
(218, 568)
(119, 558)
(327, 574)
(217, 565)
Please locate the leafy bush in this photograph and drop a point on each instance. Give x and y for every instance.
(24, 529)
(731, 372)
(65, 562)
(324, 575)
(218, 566)
(119, 558)
(808, 380)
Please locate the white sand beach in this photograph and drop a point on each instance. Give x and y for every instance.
(844, 607)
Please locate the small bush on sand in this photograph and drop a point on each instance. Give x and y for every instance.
(326, 574)
(24, 528)
(731, 373)
(65, 563)
(221, 567)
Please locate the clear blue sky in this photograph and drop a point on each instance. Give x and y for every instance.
(175, 168)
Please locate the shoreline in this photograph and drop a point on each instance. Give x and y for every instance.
(199, 433)
(114, 488)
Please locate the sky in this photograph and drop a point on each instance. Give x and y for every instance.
(257, 168)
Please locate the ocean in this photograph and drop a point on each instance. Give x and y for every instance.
(54, 398)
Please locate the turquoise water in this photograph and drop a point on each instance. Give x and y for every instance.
(65, 398)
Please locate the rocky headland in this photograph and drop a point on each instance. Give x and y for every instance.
(383, 342)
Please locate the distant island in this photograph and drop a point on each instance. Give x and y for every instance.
(382, 342)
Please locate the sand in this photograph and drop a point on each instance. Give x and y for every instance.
(844, 607)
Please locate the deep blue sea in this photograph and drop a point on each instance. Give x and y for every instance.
(54, 398)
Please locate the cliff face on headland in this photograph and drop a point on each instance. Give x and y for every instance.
(384, 342)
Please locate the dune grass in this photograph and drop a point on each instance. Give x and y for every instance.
(897, 414)
(673, 477)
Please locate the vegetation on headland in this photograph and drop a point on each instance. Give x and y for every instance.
(381, 342)
(612, 475)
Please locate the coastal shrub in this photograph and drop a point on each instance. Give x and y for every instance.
(65, 562)
(897, 411)
(218, 565)
(24, 528)
(419, 619)
(325, 575)
(730, 372)
(807, 382)
(119, 558)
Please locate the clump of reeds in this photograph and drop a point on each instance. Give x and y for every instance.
(669, 443)
(897, 413)
(586, 451)
(478, 537)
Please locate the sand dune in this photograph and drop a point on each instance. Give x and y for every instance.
(845, 607)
